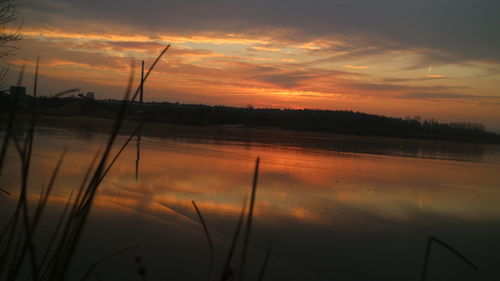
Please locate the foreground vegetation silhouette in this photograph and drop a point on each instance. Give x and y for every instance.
(19, 252)
(17, 240)
(19, 248)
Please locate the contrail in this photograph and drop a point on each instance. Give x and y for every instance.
(429, 70)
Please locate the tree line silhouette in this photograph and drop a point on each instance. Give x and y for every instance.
(330, 121)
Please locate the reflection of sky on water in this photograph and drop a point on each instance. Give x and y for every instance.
(329, 215)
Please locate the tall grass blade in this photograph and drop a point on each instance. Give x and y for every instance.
(35, 83)
(54, 234)
(103, 259)
(46, 262)
(10, 228)
(246, 238)
(138, 144)
(68, 248)
(15, 255)
(122, 148)
(77, 220)
(138, 155)
(226, 271)
(10, 121)
(7, 227)
(430, 242)
(264, 265)
(209, 238)
(48, 191)
(20, 229)
(28, 246)
(137, 92)
(70, 221)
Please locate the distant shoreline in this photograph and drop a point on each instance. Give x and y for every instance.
(86, 128)
(318, 121)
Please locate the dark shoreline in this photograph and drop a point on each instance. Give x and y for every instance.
(87, 127)
(314, 121)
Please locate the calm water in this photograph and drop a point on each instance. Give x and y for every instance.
(331, 207)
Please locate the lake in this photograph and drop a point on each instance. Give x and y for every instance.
(330, 207)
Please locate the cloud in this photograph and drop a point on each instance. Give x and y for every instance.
(356, 66)
(446, 95)
(284, 80)
(419, 79)
(283, 77)
(68, 51)
(448, 30)
(98, 61)
(264, 48)
(438, 93)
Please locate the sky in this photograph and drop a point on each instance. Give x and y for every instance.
(434, 59)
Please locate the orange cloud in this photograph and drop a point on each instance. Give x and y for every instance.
(264, 48)
(356, 66)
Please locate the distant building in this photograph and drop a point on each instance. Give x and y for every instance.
(91, 95)
(20, 92)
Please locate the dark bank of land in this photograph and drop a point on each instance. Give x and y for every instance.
(325, 121)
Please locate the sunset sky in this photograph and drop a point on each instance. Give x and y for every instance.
(435, 59)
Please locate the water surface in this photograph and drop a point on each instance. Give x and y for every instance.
(331, 207)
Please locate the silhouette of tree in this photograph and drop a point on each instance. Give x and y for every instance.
(9, 33)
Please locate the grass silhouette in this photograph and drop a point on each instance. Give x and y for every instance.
(433, 240)
(18, 249)
(209, 239)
